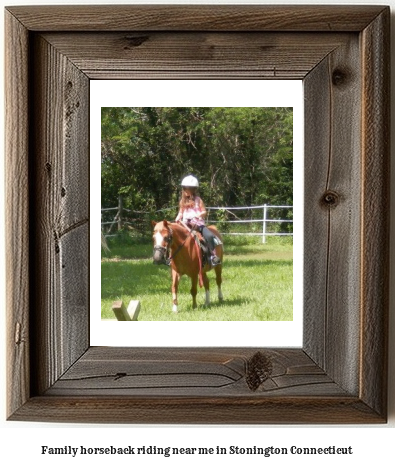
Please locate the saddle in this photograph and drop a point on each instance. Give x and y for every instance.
(201, 242)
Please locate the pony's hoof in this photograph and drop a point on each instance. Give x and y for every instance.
(175, 309)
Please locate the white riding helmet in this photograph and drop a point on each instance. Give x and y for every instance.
(190, 182)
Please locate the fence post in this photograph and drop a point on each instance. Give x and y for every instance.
(120, 212)
(264, 223)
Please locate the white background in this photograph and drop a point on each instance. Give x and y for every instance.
(20, 443)
(226, 93)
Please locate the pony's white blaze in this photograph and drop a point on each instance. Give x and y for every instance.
(158, 238)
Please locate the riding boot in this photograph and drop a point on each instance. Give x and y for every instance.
(215, 260)
(211, 242)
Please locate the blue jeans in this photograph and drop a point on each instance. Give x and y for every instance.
(208, 236)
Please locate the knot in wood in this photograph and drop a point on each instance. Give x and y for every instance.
(135, 41)
(339, 77)
(330, 199)
(259, 369)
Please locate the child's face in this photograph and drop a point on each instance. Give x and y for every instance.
(188, 191)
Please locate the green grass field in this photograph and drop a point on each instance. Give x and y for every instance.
(257, 283)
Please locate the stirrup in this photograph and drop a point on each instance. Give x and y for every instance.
(215, 260)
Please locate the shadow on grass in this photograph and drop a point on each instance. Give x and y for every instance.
(142, 278)
(215, 303)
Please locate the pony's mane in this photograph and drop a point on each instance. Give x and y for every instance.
(177, 226)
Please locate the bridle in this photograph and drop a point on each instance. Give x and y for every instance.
(165, 250)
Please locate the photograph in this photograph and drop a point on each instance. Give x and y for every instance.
(197, 213)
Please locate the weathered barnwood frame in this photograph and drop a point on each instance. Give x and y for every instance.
(342, 54)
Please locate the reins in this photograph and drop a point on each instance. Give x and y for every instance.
(178, 248)
(197, 248)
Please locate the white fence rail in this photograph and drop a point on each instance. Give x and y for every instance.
(265, 221)
(222, 216)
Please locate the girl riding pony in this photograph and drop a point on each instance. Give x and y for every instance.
(192, 212)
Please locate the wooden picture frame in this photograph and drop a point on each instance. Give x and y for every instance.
(340, 373)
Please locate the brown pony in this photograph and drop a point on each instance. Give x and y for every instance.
(175, 245)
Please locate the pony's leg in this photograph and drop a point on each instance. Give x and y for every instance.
(218, 278)
(194, 281)
(174, 289)
(206, 284)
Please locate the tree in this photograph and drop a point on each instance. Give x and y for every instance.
(241, 156)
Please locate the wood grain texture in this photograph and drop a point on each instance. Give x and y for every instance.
(332, 200)
(196, 17)
(339, 376)
(376, 212)
(317, 112)
(17, 213)
(198, 410)
(191, 372)
(60, 179)
(194, 386)
(196, 55)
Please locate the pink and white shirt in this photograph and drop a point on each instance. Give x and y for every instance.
(192, 214)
